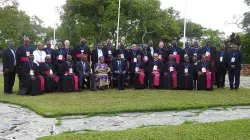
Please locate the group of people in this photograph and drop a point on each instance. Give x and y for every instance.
(69, 69)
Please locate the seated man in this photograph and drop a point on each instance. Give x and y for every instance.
(33, 82)
(170, 75)
(48, 71)
(101, 71)
(154, 68)
(85, 74)
(138, 68)
(205, 70)
(186, 71)
(69, 81)
(119, 70)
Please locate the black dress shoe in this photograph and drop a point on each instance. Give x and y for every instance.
(6, 92)
(236, 88)
(231, 89)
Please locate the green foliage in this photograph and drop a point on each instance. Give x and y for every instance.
(193, 30)
(228, 130)
(245, 47)
(140, 21)
(215, 36)
(14, 25)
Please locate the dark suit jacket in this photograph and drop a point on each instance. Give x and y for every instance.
(116, 68)
(238, 60)
(79, 68)
(223, 64)
(8, 60)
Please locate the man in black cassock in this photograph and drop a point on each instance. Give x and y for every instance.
(155, 72)
(194, 62)
(119, 69)
(49, 52)
(132, 58)
(85, 76)
(9, 68)
(139, 68)
(170, 79)
(151, 47)
(108, 52)
(124, 53)
(22, 54)
(33, 82)
(186, 52)
(163, 53)
(210, 53)
(59, 57)
(68, 79)
(204, 69)
(68, 50)
(196, 51)
(186, 71)
(221, 66)
(175, 51)
(146, 55)
(81, 50)
(96, 53)
(47, 70)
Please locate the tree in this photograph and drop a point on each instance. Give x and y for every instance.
(193, 30)
(140, 21)
(215, 36)
(14, 26)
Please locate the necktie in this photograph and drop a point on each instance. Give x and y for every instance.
(119, 66)
(13, 57)
(83, 67)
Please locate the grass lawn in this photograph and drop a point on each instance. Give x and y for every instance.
(228, 130)
(113, 101)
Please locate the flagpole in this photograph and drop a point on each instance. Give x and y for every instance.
(54, 40)
(185, 25)
(118, 24)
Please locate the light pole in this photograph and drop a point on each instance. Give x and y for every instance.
(54, 39)
(118, 24)
(185, 25)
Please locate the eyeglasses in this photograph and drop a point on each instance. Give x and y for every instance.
(155, 56)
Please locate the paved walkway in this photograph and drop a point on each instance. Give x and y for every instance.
(22, 124)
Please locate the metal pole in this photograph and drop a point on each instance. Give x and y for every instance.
(54, 41)
(118, 24)
(185, 25)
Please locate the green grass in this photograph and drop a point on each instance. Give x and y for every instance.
(113, 101)
(228, 130)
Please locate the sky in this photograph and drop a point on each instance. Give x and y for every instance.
(209, 13)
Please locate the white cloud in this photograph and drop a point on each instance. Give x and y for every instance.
(209, 13)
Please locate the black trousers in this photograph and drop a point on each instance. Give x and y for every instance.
(220, 77)
(19, 74)
(120, 80)
(90, 81)
(9, 80)
(234, 78)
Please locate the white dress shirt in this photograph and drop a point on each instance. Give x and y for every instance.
(39, 56)
(99, 51)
